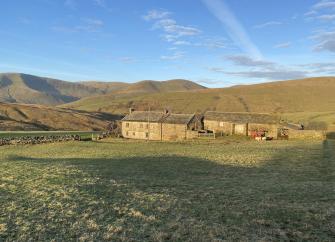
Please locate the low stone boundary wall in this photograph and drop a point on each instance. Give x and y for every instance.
(307, 134)
(25, 140)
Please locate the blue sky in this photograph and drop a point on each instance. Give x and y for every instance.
(213, 42)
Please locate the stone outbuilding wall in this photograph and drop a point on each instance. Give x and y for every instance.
(241, 123)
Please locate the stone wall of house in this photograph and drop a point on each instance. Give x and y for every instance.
(174, 131)
(190, 134)
(141, 130)
(225, 128)
(306, 134)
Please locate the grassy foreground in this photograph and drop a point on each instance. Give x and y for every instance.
(194, 191)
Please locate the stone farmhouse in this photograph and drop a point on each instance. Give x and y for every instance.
(241, 123)
(149, 125)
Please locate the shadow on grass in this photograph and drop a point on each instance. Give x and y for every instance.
(160, 198)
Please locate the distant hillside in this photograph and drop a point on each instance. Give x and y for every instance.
(36, 117)
(28, 89)
(23, 88)
(120, 88)
(306, 95)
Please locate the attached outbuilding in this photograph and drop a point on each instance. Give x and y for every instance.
(241, 123)
(158, 126)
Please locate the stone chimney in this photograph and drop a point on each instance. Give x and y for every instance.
(131, 110)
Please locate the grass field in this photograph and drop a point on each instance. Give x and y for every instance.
(194, 191)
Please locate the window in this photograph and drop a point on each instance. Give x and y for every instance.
(134, 134)
(146, 135)
(127, 125)
(221, 124)
(147, 126)
(127, 133)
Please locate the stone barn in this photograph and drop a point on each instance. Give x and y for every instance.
(241, 123)
(158, 126)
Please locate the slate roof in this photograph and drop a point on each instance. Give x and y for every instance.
(144, 116)
(178, 118)
(158, 117)
(258, 118)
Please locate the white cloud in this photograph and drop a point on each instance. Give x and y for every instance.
(311, 13)
(261, 69)
(325, 41)
(324, 4)
(127, 59)
(326, 17)
(278, 74)
(267, 24)
(181, 42)
(171, 27)
(243, 60)
(156, 14)
(86, 25)
(283, 45)
(234, 28)
(214, 43)
(321, 68)
(175, 56)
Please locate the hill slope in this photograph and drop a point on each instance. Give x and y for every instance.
(23, 88)
(148, 86)
(37, 117)
(28, 89)
(306, 95)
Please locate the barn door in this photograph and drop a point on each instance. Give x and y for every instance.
(240, 129)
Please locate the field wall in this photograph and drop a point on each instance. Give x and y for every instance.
(307, 134)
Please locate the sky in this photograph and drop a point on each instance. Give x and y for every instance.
(215, 43)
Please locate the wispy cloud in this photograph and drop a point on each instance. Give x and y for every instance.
(86, 25)
(127, 59)
(325, 41)
(234, 28)
(156, 14)
(173, 32)
(260, 69)
(323, 68)
(267, 24)
(175, 56)
(324, 4)
(242, 60)
(323, 11)
(327, 17)
(171, 27)
(283, 45)
(279, 74)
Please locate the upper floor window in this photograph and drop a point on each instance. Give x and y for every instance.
(127, 125)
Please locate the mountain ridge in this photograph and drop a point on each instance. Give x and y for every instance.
(29, 89)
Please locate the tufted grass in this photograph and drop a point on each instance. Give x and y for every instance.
(194, 191)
